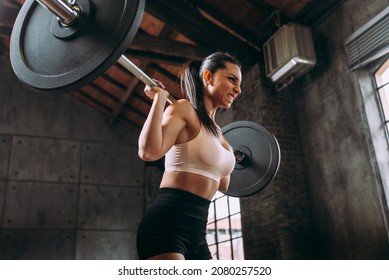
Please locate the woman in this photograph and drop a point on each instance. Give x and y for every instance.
(198, 159)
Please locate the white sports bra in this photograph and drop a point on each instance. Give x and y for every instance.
(203, 155)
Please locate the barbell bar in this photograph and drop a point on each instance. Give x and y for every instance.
(66, 12)
(75, 43)
(137, 72)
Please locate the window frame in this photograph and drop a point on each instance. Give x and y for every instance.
(385, 120)
(231, 232)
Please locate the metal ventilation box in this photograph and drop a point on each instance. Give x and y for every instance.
(369, 42)
(289, 53)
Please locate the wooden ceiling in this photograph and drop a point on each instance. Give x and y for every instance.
(175, 31)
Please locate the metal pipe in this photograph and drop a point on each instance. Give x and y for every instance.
(137, 72)
(67, 13)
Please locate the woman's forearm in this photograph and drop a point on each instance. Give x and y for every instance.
(150, 139)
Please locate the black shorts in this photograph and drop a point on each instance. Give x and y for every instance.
(175, 223)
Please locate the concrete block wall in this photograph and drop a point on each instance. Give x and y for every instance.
(71, 186)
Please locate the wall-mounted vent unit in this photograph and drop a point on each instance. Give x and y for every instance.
(369, 42)
(289, 53)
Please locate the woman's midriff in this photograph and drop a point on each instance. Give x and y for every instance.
(194, 183)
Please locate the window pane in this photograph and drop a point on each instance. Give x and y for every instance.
(225, 251)
(382, 75)
(236, 226)
(211, 234)
(234, 205)
(221, 207)
(238, 252)
(384, 95)
(213, 251)
(218, 195)
(223, 230)
(211, 212)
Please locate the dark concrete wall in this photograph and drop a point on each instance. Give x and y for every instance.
(71, 186)
(350, 209)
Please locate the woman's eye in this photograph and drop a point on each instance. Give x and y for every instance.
(232, 79)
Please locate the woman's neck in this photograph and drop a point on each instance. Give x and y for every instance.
(211, 110)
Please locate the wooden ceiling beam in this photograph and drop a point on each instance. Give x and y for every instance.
(173, 78)
(118, 108)
(199, 29)
(13, 3)
(8, 15)
(151, 57)
(5, 31)
(163, 47)
(215, 13)
(262, 6)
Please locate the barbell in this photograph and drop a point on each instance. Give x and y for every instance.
(58, 46)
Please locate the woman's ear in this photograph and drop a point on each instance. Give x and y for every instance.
(207, 76)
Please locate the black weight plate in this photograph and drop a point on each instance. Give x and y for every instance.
(263, 157)
(47, 63)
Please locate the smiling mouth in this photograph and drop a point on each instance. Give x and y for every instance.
(231, 96)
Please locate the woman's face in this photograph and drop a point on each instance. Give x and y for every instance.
(223, 86)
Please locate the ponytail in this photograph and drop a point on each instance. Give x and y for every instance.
(192, 87)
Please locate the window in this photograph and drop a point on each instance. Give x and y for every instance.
(378, 117)
(224, 229)
(382, 82)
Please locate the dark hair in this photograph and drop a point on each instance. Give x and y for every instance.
(192, 84)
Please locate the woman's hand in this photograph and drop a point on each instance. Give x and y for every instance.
(152, 91)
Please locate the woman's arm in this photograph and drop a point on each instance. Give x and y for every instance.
(160, 129)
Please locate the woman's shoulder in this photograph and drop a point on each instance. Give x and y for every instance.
(183, 103)
(184, 109)
(182, 106)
